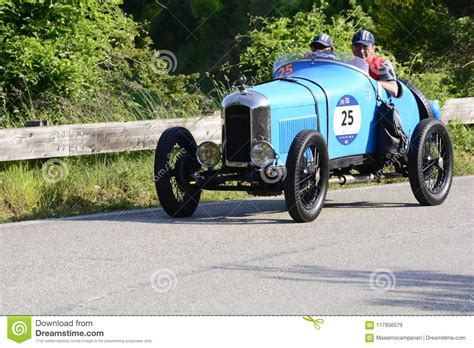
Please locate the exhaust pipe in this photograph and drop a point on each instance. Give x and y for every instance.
(360, 179)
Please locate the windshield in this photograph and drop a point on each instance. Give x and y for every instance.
(308, 56)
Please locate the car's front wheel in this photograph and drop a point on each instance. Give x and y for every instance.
(307, 180)
(175, 162)
(430, 162)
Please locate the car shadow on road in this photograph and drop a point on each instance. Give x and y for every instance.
(250, 211)
(247, 211)
(428, 291)
(366, 204)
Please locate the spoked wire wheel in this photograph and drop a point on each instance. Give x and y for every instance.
(435, 155)
(306, 183)
(430, 162)
(310, 176)
(175, 162)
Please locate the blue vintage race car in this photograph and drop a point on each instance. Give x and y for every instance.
(318, 121)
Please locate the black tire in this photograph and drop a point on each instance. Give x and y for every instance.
(312, 177)
(175, 161)
(430, 162)
(424, 107)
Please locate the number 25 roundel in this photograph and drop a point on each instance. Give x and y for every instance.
(347, 119)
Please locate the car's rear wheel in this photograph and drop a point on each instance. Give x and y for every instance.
(430, 162)
(175, 161)
(307, 178)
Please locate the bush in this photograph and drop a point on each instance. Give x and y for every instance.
(462, 136)
(56, 47)
(435, 85)
(78, 61)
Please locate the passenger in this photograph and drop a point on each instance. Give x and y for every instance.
(321, 47)
(379, 68)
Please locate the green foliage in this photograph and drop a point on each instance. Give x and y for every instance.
(92, 183)
(426, 35)
(275, 36)
(435, 85)
(202, 8)
(56, 47)
(442, 68)
(83, 61)
(430, 36)
(462, 136)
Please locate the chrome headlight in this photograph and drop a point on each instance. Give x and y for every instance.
(208, 154)
(262, 154)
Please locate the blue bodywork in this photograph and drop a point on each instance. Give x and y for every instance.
(328, 95)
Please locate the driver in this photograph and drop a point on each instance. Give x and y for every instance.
(379, 68)
(321, 47)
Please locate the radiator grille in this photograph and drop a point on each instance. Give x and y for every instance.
(237, 134)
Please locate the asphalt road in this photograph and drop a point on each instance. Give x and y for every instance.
(372, 251)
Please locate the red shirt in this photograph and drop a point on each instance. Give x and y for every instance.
(374, 66)
(380, 69)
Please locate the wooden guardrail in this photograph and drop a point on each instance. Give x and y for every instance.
(461, 109)
(87, 139)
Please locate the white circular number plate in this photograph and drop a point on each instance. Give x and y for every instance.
(346, 121)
